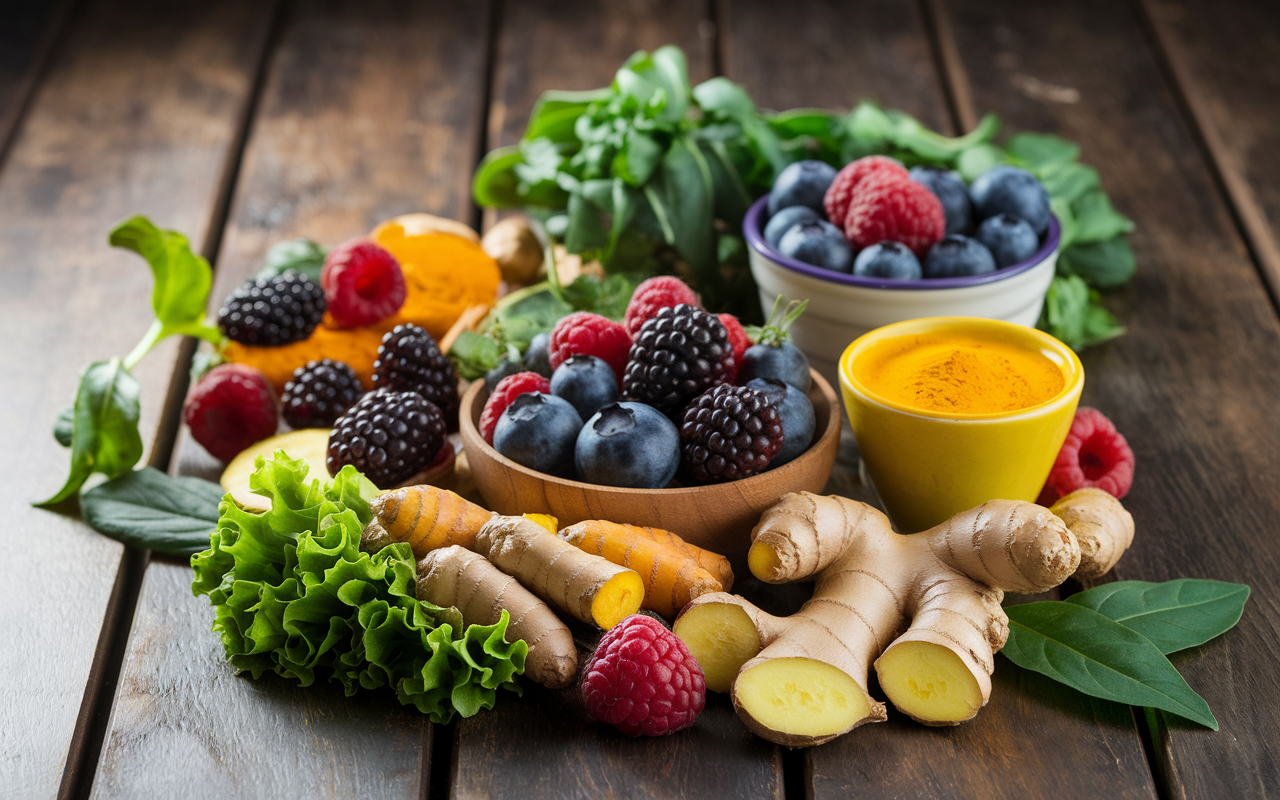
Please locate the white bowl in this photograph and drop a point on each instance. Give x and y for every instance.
(843, 307)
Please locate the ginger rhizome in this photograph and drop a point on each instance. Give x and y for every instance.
(429, 518)
(585, 586)
(452, 576)
(924, 609)
(670, 567)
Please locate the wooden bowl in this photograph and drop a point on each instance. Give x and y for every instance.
(717, 517)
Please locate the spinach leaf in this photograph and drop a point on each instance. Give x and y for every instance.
(682, 198)
(1039, 149)
(556, 113)
(1087, 651)
(606, 296)
(496, 184)
(974, 161)
(148, 509)
(1105, 265)
(474, 354)
(1096, 220)
(1067, 181)
(1075, 315)
(1174, 615)
(106, 437)
(64, 427)
(300, 255)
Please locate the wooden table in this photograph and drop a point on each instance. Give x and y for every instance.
(248, 121)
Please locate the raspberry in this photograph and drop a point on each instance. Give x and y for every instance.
(895, 208)
(663, 291)
(729, 432)
(642, 680)
(318, 394)
(840, 194)
(410, 361)
(586, 334)
(737, 340)
(389, 436)
(231, 407)
(507, 390)
(1094, 454)
(273, 311)
(362, 283)
(679, 354)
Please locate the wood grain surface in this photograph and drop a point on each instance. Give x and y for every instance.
(369, 110)
(1193, 384)
(136, 115)
(27, 38)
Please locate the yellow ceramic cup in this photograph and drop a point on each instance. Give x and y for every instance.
(928, 465)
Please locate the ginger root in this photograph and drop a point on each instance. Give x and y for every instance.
(802, 680)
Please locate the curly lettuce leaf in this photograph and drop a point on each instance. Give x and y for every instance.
(294, 595)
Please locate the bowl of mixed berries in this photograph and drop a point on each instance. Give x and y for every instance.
(875, 243)
(672, 418)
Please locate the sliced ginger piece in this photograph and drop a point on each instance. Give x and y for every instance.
(619, 598)
(799, 697)
(929, 683)
(722, 637)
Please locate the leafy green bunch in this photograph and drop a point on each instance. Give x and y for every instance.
(293, 594)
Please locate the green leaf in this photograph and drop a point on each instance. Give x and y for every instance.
(606, 296)
(974, 161)
(1096, 220)
(586, 232)
(496, 184)
(300, 255)
(474, 354)
(182, 278)
(1174, 615)
(1037, 149)
(64, 427)
(1087, 651)
(1066, 222)
(1102, 264)
(105, 438)
(722, 96)
(1067, 181)
(682, 198)
(150, 510)
(728, 188)
(638, 158)
(1099, 323)
(556, 111)
(1066, 306)
(910, 135)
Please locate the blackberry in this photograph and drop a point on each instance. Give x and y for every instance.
(273, 311)
(410, 361)
(678, 354)
(319, 393)
(729, 432)
(389, 436)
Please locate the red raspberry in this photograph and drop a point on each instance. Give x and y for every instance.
(507, 390)
(737, 340)
(657, 293)
(231, 407)
(642, 680)
(895, 208)
(582, 333)
(1094, 454)
(840, 194)
(362, 283)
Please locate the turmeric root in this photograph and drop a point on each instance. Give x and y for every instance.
(585, 586)
(714, 563)
(671, 578)
(802, 680)
(428, 518)
(452, 576)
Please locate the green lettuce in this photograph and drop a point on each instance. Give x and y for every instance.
(293, 594)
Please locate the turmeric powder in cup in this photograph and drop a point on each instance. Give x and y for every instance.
(950, 412)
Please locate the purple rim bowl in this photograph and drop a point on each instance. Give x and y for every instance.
(753, 229)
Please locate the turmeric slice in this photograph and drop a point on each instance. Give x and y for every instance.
(429, 518)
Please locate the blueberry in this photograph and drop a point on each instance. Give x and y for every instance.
(505, 367)
(628, 444)
(539, 431)
(951, 192)
(785, 220)
(1011, 190)
(887, 260)
(587, 382)
(538, 357)
(796, 413)
(803, 183)
(783, 362)
(818, 243)
(956, 256)
(1010, 240)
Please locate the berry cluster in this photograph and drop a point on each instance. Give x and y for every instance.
(876, 219)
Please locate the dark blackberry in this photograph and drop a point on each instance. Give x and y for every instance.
(729, 432)
(677, 355)
(319, 393)
(273, 311)
(410, 361)
(389, 436)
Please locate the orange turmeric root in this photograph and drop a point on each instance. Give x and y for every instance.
(429, 518)
(714, 563)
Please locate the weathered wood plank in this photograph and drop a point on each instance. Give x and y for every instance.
(369, 110)
(1192, 384)
(26, 41)
(136, 114)
(833, 55)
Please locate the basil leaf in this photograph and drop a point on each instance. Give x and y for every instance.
(64, 427)
(300, 255)
(1096, 220)
(1174, 615)
(150, 510)
(1102, 264)
(182, 278)
(1087, 651)
(1037, 149)
(106, 437)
